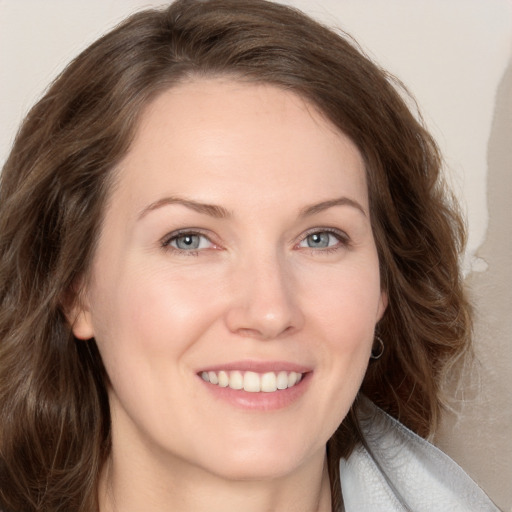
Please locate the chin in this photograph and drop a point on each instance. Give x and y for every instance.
(258, 460)
(252, 469)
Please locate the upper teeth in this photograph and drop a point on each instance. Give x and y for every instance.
(252, 381)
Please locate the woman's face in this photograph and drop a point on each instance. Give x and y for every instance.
(236, 251)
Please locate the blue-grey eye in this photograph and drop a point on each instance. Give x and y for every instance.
(320, 240)
(189, 242)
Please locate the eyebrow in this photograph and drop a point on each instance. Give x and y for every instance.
(222, 213)
(324, 205)
(207, 209)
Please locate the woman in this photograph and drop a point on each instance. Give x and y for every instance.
(219, 225)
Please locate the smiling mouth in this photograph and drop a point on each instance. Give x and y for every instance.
(253, 382)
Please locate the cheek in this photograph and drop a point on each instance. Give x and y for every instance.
(346, 301)
(145, 324)
(150, 314)
(345, 311)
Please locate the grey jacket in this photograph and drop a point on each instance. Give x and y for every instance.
(397, 471)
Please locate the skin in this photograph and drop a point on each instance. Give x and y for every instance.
(254, 289)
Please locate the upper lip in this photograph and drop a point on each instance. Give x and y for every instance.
(257, 367)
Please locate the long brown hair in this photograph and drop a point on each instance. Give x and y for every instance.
(55, 427)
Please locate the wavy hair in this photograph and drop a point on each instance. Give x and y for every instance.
(55, 427)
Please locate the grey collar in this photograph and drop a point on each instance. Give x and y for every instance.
(395, 470)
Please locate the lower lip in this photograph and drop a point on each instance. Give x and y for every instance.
(260, 401)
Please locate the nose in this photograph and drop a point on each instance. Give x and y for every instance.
(264, 301)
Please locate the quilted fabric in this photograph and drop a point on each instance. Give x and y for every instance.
(396, 471)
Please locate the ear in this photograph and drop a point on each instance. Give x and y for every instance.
(81, 324)
(77, 312)
(383, 304)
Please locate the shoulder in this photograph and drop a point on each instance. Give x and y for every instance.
(396, 470)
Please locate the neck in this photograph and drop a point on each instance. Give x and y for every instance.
(135, 487)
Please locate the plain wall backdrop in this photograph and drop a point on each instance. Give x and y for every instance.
(455, 57)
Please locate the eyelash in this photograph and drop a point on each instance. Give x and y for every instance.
(166, 242)
(342, 237)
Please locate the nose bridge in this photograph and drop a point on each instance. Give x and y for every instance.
(264, 303)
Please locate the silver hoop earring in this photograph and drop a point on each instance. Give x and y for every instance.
(378, 351)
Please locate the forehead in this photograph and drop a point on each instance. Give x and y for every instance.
(220, 135)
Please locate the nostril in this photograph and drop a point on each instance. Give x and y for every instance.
(265, 332)
(251, 333)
